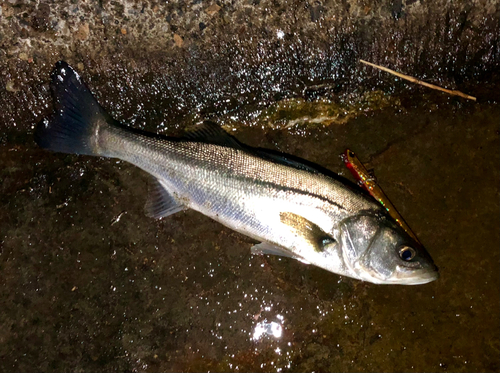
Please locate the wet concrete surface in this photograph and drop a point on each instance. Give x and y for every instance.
(88, 283)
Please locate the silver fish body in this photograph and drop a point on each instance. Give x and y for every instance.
(293, 209)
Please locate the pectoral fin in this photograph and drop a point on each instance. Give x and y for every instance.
(161, 202)
(310, 232)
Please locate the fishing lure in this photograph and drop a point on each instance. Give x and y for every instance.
(368, 182)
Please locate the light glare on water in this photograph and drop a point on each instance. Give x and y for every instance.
(263, 328)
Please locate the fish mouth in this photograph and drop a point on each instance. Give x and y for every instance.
(415, 277)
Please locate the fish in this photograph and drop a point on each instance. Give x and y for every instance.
(292, 208)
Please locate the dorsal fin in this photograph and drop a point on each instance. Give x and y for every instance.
(212, 133)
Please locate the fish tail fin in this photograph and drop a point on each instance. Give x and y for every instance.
(74, 126)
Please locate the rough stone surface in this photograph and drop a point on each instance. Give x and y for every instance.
(208, 58)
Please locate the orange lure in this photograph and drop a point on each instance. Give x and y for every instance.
(366, 181)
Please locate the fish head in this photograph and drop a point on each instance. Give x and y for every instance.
(378, 250)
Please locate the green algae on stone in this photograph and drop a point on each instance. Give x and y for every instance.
(299, 112)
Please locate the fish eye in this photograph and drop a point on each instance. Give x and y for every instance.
(407, 253)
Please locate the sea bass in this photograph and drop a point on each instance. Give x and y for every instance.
(293, 209)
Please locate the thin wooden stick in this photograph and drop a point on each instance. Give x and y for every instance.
(414, 80)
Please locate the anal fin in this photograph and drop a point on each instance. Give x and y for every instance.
(161, 202)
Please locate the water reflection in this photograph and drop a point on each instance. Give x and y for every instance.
(265, 328)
